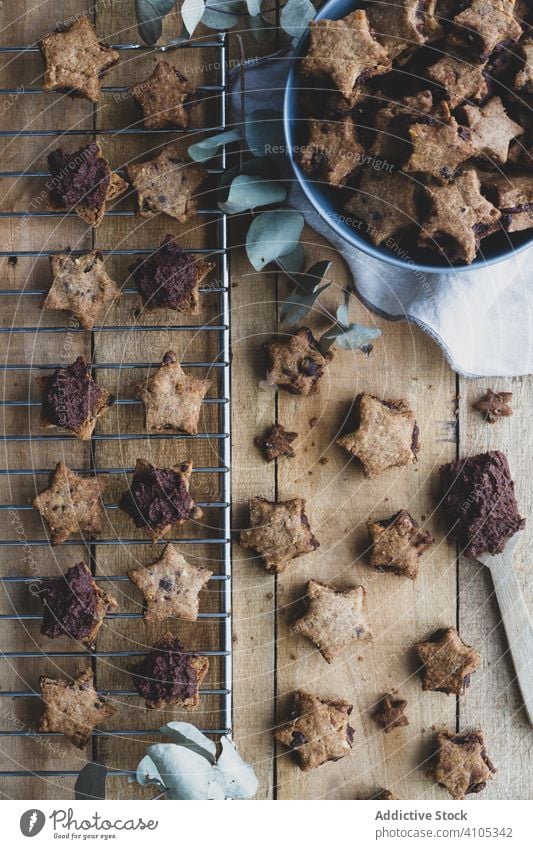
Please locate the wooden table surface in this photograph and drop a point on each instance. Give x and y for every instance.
(269, 663)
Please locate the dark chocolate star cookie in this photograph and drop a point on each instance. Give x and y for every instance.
(495, 405)
(169, 278)
(276, 442)
(73, 400)
(169, 676)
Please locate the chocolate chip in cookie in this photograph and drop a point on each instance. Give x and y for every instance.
(169, 278)
(461, 763)
(81, 285)
(167, 183)
(295, 362)
(172, 399)
(397, 544)
(170, 586)
(72, 708)
(71, 504)
(73, 400)
(169, 676)
(335, 619)
(317, 730)
(279, 532)
(165, 97)
(447, 662)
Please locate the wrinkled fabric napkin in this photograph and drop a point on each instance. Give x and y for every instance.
(482, 319)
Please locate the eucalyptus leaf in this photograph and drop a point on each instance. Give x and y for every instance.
(254, 7)
(350, 338)
(258, 27)
(272, 235)
(250, 192)
(207, 148)
(222, 14)
(307, 281)
(259, 166)
(147, 773)
(264, 132)
(239, 779)
(295, 16)
(184, 773)
(150, 14)
(191, 14)
(342, 315)
(188, 735)
(293, 262)
(295, 308)
(90, 783)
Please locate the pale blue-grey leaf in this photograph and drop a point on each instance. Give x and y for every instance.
(222, 14)
(295, 17)
(185, 734)
(191, 14)
(253, 6)
(236, 776)
(147, 773)
(150, 14)
(260, 29)
(293, 262)
(350, 338)
(308, 281)
(272, 235)
(342, 315)
(248, 192)
(184, 773)
(207, 148)
(295, 307)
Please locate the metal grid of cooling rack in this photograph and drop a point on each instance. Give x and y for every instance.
(222, 436)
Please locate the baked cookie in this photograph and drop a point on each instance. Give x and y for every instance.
(461, 764)
(165, 97)
(383, 795)
(82, 182)
(169, 278)
(402, 25)
(72, 708)
(170, 586)
(491, 130)
(438, 148)
(513, 195)
(279, 532)
(74, 604)
(495, 405)
(385, 202)
(478, 497)
(295, 362)
(460, 79)
(332, 152)
(335, 619)
(344, 52)
(276, 442)
(71, 504)
(317, 730)
(447, 662)
(523, 81)
(169, 676)
(80, 285)
(76, 61)
(172, 399)
(459, 217)
(160, 498)
(397, 544)
(391, 122)
(167, 183)
(386, 435)
(73, 400)
(390, 713)
(485, 24)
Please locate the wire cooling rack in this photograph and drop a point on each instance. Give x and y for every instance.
(221, 538)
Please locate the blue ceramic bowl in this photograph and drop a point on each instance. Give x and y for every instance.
(329, 202)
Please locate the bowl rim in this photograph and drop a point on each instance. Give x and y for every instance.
(306, 183)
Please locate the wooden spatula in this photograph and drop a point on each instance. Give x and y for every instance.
(515, 617)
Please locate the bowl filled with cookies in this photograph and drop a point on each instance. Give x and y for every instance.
(409, 126)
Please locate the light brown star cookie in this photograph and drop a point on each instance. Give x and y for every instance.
(73, 400)
(491, 130)
(169, 676)
(495, 405)
(403, 25)
(80, 285)
(524, 79)
(438, 148)
(71, 504)
(73, 708)
(385, 202)
(461, 763)
(276, 442)
(167, 184)
(344, 52)
(391, 122)
(333, 151)
(164, 97)
(386, 435)
(76, 60)
(447, 662)
(390, 713)
(460, 216)
(461, 80)
(397, 544)
(172, 399)
(484, 25)
(513, 195)
(170, 586)
(279, 532)
(295, 362)
(334, 619)
(317, 730)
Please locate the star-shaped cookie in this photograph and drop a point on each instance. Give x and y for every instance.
(438, 148)
(167, 184)
(279, 532)
(73, 708)
(404, 25)
(276, 442)
(333, 151)
(495, 405)
(169, 278)
(295, 362)
(317, 731)
(73, 400)
(483, 25)
(71, 504)
(165, 97)
(524, 79)
(172, 399)
(169, 676)
(386, 435)
(491, 130)
(390, 713)
(461, 764)
(334, 619)
(447, 662)
(397, 544)
(76, 61)
(385, 202)
(80, 285)
(170, 586)
(159, 498)
(344, 52)
(461, 80)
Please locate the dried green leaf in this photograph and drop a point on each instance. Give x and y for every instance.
(307, 281)
(295, 307)
(273, 235)
(250, 192)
